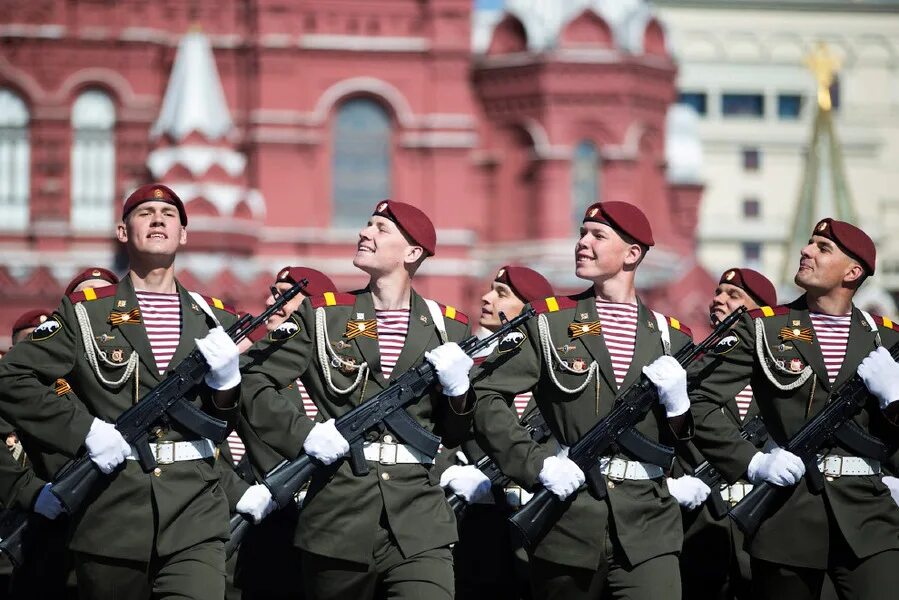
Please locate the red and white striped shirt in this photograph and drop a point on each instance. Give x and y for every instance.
(521, 402)
(619, 330)
(235, 445)
(744, 400)
(393, 325)
(833, 335)
(161, 314)
(308, 405)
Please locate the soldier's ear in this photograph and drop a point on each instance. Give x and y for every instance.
(183, 236)
(854, 275)
(121, 232)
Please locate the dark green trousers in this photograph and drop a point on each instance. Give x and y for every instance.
(195, 573)
(653, 579)
(714, 565)
(424, 576)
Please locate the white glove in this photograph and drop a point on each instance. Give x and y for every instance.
(893, 484)
(468, 482)
(256, 502)
(48, 504)
(561, 476)
(223, 357)
(689, 492)
(881, 376)
(106, 446)
(325, 443)
(452, 366)
(779, 467)
(671, 383)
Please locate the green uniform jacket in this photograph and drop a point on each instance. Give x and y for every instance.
(341, 512)
(643, 516)
(19, 486)
(137, 512)
(860, 506)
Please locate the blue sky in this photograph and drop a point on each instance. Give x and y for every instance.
(488, 3)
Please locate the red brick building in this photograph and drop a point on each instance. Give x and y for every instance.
(282, 123)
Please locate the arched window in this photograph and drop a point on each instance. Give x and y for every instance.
(584, 179)
(361, 161)
(93, 161)
(15, 161)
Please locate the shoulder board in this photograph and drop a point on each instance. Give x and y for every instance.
(675, 324)
(768, 311)
(450, 312)
(88, 294)
(216, 303)
(333, 299)
(553, 304)
(886, 322)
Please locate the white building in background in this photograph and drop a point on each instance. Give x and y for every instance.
(741, 67)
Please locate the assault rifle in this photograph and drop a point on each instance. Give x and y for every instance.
(384, 408)
(753, 431)
(833, 424)
(160, 406)
(539, 431)
(538, 516)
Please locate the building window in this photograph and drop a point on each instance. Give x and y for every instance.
(698, 100)
(15, 161)
(742, 105)
(752, 159)
(789, 106)
(584, 179)
(361, 160)
(752, 253)
(752, 208)
(93, 162)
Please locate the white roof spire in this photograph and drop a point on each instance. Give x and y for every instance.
(194, 100)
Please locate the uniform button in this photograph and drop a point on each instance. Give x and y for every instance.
(611, 485)
(157, 471)
(388, 439)
(385, 476)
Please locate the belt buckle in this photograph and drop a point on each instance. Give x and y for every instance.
(829, 461)
(170, 450)
(617, 470)
(386, 458)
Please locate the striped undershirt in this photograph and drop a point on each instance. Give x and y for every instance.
(521, 402)
(833, 335)
(236, 445)
(744, 399)
(161, 314)
(393, 325)
(619, 330)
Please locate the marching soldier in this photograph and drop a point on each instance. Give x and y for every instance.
(485, 561)
(576, 357)
(266, 563)
(159, 533)
(714, 564)
(387, 532)
(794, 357)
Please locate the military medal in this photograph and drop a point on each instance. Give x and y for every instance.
(578, 365)
(364, 328)
(796, 365)
(795, 333)
(117, 355)
(576, 330)
(120, 318)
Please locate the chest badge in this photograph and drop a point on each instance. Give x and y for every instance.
(796, 365)
(131, 317)
(576, 330)
(117, 355)
(803, 334)
(577, 365)
(366, 328)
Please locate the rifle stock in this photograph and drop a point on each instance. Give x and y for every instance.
(538, 516)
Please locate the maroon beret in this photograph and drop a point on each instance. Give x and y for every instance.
(852, 240)
(32, 318)
(91, 273)
(622, 217)
(411, 220)
(527, 284)
(154, 192)
(319, 283)
(753, 283)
